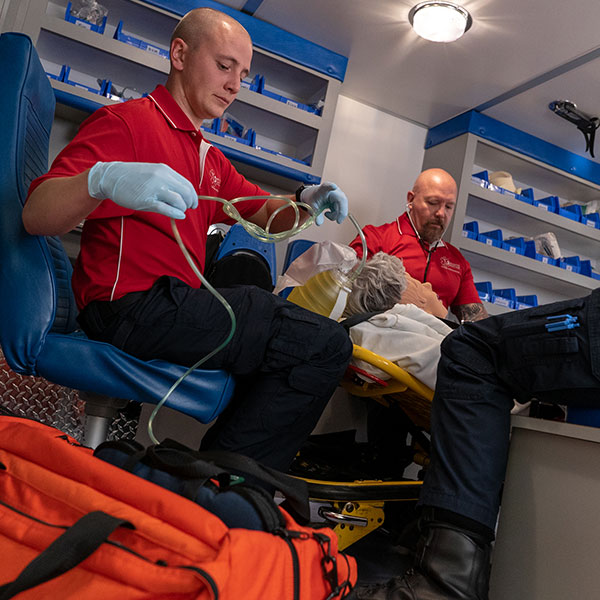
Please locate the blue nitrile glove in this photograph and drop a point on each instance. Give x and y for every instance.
(153, 187)
(326, 196)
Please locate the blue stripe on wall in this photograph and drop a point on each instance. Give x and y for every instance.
(251, 6)
(271, 38)
(515, 139)
(76, 101)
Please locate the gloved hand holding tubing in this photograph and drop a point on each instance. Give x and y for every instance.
(153, 187)
(326, 197)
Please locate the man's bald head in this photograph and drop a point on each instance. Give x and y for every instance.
(210, 56)
(201, 24)
(431, 203)
(435, 178)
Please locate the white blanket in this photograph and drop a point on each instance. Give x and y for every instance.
(405, 335)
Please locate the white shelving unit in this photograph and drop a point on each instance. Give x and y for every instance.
(467, 154)
(297, 138)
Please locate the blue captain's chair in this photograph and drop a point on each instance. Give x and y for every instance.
(241, 259)
(39, 333)
(294, 250)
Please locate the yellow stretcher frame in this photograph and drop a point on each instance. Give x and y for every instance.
(358, 506)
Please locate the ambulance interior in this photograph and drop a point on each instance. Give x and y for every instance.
(348, 92)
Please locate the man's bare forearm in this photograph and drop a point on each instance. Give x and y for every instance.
(58, 205)
(470, 312)
(283, 220)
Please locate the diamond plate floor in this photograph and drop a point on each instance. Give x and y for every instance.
(51, 404)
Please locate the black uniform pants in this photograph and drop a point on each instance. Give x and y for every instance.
(483, 367)
(287, 361)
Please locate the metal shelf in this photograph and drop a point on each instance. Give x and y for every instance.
(493, 156)
(535, 273)
(465, 153)
(509, 213)
(280, 127)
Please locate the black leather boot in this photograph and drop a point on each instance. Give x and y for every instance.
(450, 564)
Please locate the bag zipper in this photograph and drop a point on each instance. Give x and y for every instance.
(287, 535)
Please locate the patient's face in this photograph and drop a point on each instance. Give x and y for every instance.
(423, 296)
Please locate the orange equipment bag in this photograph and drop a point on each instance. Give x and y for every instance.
(75, 527)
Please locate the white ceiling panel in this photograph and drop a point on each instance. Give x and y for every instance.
(511, 43)
(529, 110)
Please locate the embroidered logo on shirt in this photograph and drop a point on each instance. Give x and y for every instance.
(215, 182)
(446, 264)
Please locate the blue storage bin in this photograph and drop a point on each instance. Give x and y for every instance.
(276, 153)
(585, 267)
(126, 93)
(294, 103)
(505, 297)
(572, 211)
(491, 238)
(482, 179)
(262, 89)
(591, 220)
(515, 245)
(255, 85)
(209, 125)
(133, 41)
(484, 289)
(526, 195)
(595, 275)
(471, 230)
(229, 125)
(82, 22)
(69, 77)
(60, 76)
(248, 138)
(551, 204)
(264, 149)
(526, 301)
(570, 263)
(583, 416)
(530, 252)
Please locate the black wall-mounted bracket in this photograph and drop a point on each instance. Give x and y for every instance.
(587, 125)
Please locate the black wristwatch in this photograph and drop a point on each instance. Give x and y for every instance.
(299, 193)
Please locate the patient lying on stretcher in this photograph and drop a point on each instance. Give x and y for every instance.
(408, 332)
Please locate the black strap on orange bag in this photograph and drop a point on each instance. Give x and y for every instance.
(78, 542)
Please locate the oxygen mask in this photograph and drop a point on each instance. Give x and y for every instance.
(326, 293)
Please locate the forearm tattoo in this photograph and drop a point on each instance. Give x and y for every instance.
(470, 312)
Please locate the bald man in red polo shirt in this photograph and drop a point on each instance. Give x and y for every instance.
(416, 238)
(133, 166)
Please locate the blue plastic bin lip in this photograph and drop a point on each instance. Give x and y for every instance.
(271, 38)
(138, 43)
(83, 22)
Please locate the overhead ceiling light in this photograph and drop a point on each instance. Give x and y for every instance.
(439, 21)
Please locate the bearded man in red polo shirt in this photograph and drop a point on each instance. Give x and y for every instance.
(416, 238)
(129, 169)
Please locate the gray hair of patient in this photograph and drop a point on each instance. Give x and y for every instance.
(378, 286)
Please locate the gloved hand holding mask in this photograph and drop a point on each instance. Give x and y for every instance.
(153, 187)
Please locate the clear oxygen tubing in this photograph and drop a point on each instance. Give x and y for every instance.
(261, 234)
(356, 270)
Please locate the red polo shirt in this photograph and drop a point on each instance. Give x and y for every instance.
(124, 250)
(449, 272)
